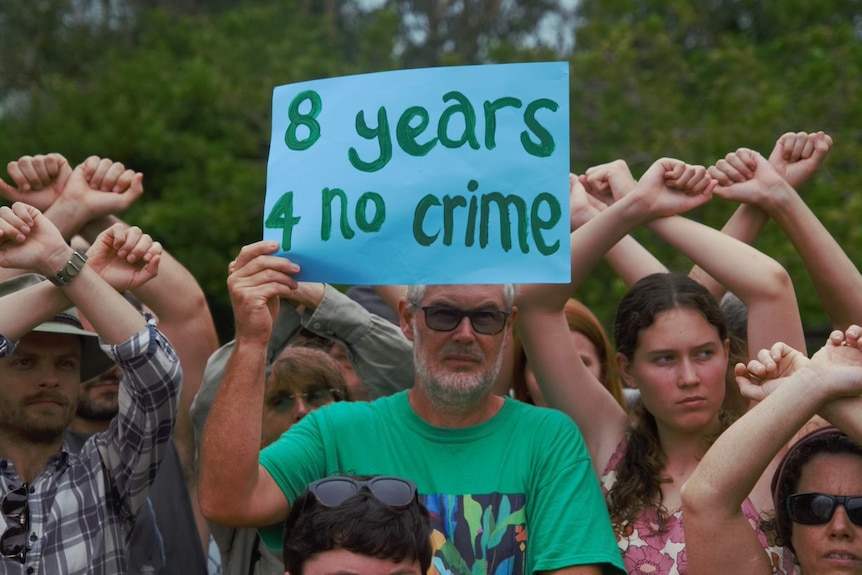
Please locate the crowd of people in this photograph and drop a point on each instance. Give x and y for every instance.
(431, 429)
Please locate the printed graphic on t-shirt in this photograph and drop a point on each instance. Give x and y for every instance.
(478, 534)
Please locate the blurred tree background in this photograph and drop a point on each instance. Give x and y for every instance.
(181, 90)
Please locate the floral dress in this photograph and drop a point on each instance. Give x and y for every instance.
(648, 549)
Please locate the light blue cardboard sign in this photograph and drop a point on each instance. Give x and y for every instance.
(432, 176)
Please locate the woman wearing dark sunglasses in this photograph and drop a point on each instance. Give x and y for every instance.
(816, 487)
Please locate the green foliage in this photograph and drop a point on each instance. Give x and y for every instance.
(190, 107)
(182, 92)
(699, 80)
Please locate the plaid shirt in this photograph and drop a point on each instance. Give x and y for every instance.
(82, 506)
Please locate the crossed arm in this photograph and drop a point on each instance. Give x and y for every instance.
(790, 389)
(668, 187)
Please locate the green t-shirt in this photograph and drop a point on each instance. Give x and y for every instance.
(515, 494)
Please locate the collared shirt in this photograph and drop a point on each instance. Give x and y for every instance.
(82, 506)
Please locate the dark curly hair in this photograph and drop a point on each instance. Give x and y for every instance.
(362, 524)
(639, 472)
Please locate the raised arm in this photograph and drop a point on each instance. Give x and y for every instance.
(844, 413)
(795, 156)
(604, 184)
(65, 196)
(29, 241)
(38, 180)
(46, 182)
(183, 315)
(378, 350)
(234, 489)
(565, 382)
(758, 280)
(836, 279)
(391, 294)
(719, 538)
(131, 450)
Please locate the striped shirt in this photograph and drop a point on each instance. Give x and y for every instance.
(82, 506)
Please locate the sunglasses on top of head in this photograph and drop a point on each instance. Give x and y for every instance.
(392, 491)
(818, 508)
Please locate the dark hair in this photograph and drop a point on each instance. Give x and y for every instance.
(654, 294)
(786, 479)
(362, 524)
(639, 478)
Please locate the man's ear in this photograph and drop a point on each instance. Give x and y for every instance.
(512, 317)
(406, 317)
(508, 333)
(624, 366)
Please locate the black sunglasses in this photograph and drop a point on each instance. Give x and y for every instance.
(484, 321)
(818, 508)
(16, 513)
(393, 491)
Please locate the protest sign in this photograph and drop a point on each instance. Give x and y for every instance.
(441, 175)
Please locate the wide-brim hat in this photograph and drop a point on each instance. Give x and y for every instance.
(94, 361)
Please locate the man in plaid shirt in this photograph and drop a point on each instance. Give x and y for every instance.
(63, 512)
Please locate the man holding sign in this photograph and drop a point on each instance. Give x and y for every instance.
(509, 486)
(432, 171)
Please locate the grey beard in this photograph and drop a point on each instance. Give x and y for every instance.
(449, 392)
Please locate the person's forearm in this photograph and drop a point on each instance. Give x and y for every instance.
(113, 318)
(836, 279)
(589, 244)
(745, 225)
(40, 302)
(758, 280)
(381, 355)
(231, 437)
(632, 262)
(68, 216)
(845, 414)
(715, 486)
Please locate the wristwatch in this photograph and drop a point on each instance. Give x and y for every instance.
(68, 272)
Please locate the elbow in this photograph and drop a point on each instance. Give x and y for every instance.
(697, 498)
(208, 503)
(776, 281)
(706, 501)
(213, 496)
(214, 508)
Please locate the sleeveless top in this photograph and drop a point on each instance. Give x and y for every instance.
(649, 549)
